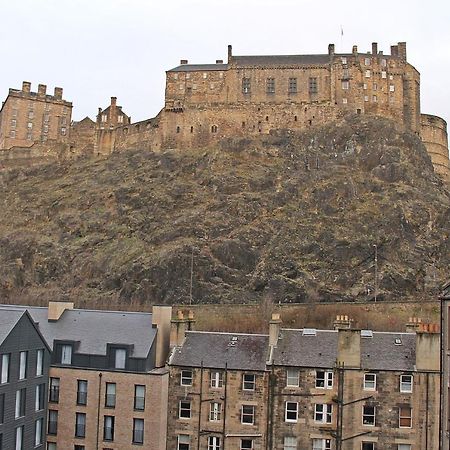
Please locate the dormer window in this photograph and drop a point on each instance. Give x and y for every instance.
(66, 354)
(120, 357)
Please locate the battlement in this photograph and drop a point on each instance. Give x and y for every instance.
(40, 95)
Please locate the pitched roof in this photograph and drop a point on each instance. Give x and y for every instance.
(281, 60)
(198, 67)
(94, 329)
(215, 350)
(8, 320)
(379, 352)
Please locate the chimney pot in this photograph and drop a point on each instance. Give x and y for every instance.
(183, 61)
(374, 48)
(180, 315)
(355, 49)
(113, 101)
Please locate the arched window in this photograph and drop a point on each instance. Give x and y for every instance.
(214, 129)
(178, 129)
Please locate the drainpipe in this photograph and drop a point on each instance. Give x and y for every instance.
(200, 407)
(98, 408)
(225, 405)
(427, 402)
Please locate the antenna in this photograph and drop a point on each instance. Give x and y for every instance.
(192, 275)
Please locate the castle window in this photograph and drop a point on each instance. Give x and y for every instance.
(181, 86)
(344, 60)
(270, 85)
(63, 131)
(246, 86)
(383, 63)
(214, 129)
(375, 86)
(374, 98)
(188, 76)
(14, 112)
(243, 124)
(29, 136)
(120, 119)
(30, 114)
(211, 86)
(365, 86)
(13, 123)
(312, 85)
(46, 118)
(175, 76)
(367, 73)
(45, 128)
(30, 125)
(104, 118)
(292, 87)
(367, 61)
(178, 129)
(345, 73)
(192, 129)
(366, 98)
(391, 88)
(205, 75)
(267, 118)
(345, 84)
(12, 134)
(344, 101)
(295, 118)
(383, 74)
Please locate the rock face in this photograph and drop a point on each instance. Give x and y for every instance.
(292, 216)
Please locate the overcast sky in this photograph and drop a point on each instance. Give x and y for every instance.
(96, 49)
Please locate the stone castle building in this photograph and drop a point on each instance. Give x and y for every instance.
(252, 95)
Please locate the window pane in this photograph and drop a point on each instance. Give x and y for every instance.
(39, 362)
(66, 354)
(23, 365)
(5, 368)
(138, 431)
(139, 397)
(120, 358)
(110, 396)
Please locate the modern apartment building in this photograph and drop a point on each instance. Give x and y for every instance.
(24, 365)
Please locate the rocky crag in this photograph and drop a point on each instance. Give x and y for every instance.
(289, 217)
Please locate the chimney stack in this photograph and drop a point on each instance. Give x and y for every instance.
(58, 93)
(42, 89)
(56, 309)
(374, 48)
(331, 49)
(394, 50)
(355, 49)
(161, 316)
(219, 61)
(413, 324)
(428, 347)
(342, 322)
(183, 61)
(274, 329)
(230, 53)
(190, 320)
(177, 330)
(113, 101)
(402, 50)
(349, 348)
(26, 86)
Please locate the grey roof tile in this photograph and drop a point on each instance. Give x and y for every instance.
(8, 320)
(198, 67)
(215, 350)
(281, 60)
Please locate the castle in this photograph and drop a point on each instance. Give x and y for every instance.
(252, 95)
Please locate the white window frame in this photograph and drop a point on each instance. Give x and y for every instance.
(404, 384)
(325, 411)
(367, 75)
(327, 379)
(185, 406)
(246, 448)
(373, 444)
(367, 61)
(392, 88)
(19, 438)
(344, 101)
(290, 409)
(39, 362)
(248, 414)
(400, 417)
(5, 368)
(182, 441)
(374, 415)
(404, 447)
(39, 393)
(345, 85)
(248, 379)
(370, 385)
(290, 443)
(321, 444)
(120, 358)
(66, 354)
(38, 432)
(214, 443)
(215, 411)
(186, 377)
(292, 377)
(216, 379)
(383, 74)
(23, 357)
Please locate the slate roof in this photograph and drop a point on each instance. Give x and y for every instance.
(8, 320)
(198, 67)
(281, 60)
(94, 329)
(377, 353)
(215, 350)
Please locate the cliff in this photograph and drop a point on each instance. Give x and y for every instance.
(290, 217)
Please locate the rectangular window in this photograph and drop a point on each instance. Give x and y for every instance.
(39, 362)
(404, 447)
(248, 414)
(108, 428)
(21, 400)
(120, 119)
(248, 381)
(368, 446)
(19, 438)
(39, 399)
(344, 101)
(184, 442)
(323, 413)
(374, 98)
(290, 443)
(324, 379)
(214, 443)
(370, 382)
(344, 60)
(383, 75)
(54, 390)
(367, 73)
(52, 426)
(51, 446)
(292, 378)
(185, 409)
(391, 88)
(138, 431)
(66, 354)
(186, 378)
(120, 357)
(45, 129)
(270, 85)
(79, 447)
(13, 123)
(23, 365)
(14, 113)
(291, 412)
(104, 118)
(404, 417)
(366, 98)
(246, 444)
(12, 134)
(292, 86)
(139, 397)
(30, 126)
(215, 411)
(246, 86)
(82, 386)
(383, 63)
(63, 131)
(345, 84)
(406, 383)
(321, 444)
(367, 61)
(375, 86)
(368, 415)
(216, 379)
(5, 368)
(312, 85)
(38, 432)
(46, 118)
(80, 425)
(110, 395)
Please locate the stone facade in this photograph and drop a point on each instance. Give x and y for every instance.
(28, 117)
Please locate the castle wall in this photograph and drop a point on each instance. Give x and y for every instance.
(83, 137)
(434, 135)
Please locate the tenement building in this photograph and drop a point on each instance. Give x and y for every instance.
(342, 389)
(445, 361)
(24, 366)
(107, 381)
(28, 117)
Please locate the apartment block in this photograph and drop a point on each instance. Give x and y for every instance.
(24, 368)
